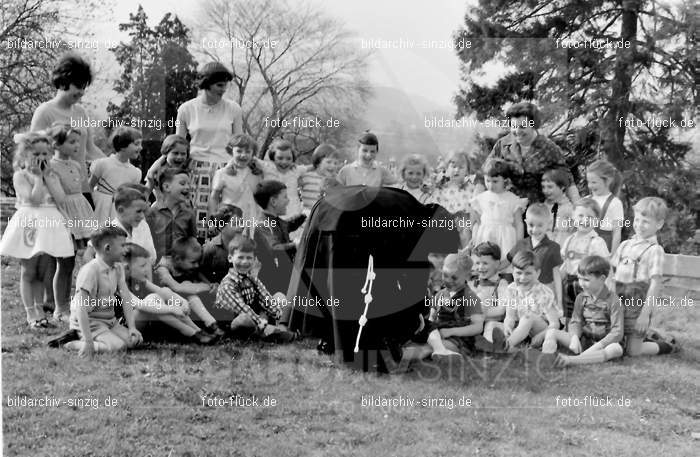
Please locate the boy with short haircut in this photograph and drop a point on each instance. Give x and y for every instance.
(152, 303)
(180, 273)
(131, 206)
(537, 220)
(639, 264)
(530, 305)
(491, 288)
(246, 301)
(171, 217)
(215, 264)
(583, 243)
(554, 185)
(273, 235)
(92, 307)
(596, 326)
(455, 318)
(365, 170)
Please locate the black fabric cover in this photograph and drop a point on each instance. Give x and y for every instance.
(331, 266)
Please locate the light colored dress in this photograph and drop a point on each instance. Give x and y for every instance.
(238, 190)
(111, 173)
(497, 218)
(49, 112)
(36, 228)
(82, 222)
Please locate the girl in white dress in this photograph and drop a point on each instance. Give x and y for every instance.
(498, 213)
(37, 227)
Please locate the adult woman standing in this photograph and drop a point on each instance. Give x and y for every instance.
(210, 121)
(70, 77)
(530, 152)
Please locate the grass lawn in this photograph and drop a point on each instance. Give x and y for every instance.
(162, 401)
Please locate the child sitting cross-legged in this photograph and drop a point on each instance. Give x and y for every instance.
(152, 303)
(530, 305)
(455, 316)
(597, 323)
(92, 307)
(250, 308)
(179, 272)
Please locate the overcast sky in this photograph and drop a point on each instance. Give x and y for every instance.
(431, 73)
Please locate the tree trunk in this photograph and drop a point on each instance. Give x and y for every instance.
(614, 123)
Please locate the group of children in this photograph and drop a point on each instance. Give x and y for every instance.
(572, 277)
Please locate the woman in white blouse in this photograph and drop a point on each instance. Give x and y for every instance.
(210, 121)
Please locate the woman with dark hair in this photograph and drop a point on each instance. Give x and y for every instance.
(210, 121)
(70, 77)
(530, 153)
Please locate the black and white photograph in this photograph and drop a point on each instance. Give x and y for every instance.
(249, 228)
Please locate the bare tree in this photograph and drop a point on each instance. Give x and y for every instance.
(33, 33)
(289, 61)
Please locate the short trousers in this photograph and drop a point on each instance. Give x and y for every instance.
(632, 295)
(99, 326)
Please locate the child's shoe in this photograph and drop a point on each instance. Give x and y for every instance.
(63, 338)
(202, 338)
(280, 336)
(214, 330)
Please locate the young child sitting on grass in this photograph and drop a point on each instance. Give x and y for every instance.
(596, 326)
(583, 243)
(455, 316)
(530, 306)
(639, 265)
(180, 274)
(250, 308)
(153, 303)
(491, 289)
(92, 307)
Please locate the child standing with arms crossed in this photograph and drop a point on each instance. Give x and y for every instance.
(37, 227)
(109, 173)
(604, 182)
(639, 265)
